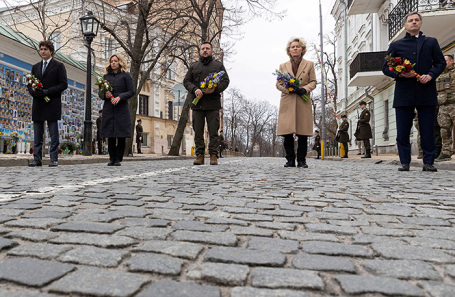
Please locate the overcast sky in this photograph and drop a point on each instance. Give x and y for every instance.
(262, 48)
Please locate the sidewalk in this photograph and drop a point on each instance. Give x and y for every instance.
(7, 160)
(394, 160)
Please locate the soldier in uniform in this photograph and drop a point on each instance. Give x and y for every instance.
(343, 136)
(139, 131)
(317, 144)
(363, 131)
(446, 99)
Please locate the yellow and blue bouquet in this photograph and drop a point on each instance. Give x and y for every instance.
(289, 82)
(210, 82)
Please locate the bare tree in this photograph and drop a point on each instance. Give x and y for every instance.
(149, 30)
(207, 20)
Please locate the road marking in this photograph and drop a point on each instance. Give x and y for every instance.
(81, 185)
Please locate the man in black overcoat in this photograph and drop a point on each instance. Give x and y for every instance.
(343, 135)
(363, 131)
(139, 131)
(52, 74)
(412, 92)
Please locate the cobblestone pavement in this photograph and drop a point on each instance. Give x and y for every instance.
(245, 228)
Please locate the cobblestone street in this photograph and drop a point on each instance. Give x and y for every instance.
(246, 228)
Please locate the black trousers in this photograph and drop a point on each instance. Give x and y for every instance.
(116, 148)
(38, 129)
(138, 143)
(366, 144)
(405, 117)
(346, 148)
(302, 144)
(213, 124)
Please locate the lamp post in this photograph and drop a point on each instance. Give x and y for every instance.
(89, 26)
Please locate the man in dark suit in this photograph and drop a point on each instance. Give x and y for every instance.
(412, 92)
(139, 131)
(52, 74)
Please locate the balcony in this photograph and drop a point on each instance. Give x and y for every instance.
(364, 6)
(366, 70)
(438, 16)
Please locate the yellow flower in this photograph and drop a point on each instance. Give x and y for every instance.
(292, 80)
(291, 89)
(210, 86)
(215, 75)
(203, 85)
(399, 68)
(406, 61)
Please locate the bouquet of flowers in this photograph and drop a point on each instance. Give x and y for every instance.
(289, 82)
(399, 65)
(35, 84)
(210, 82)
(104, 86)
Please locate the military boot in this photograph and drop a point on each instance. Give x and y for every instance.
(199, 160)
(213, 160)
(443, 157)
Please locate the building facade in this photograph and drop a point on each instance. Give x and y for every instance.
(364, 29)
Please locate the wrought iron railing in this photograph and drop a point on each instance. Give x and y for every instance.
(396, 16)
(369, 61)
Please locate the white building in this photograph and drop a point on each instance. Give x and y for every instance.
(364, 30)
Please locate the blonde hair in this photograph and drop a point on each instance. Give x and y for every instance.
(300, 41)
(121, 62)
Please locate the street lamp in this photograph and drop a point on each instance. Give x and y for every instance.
(89, 26)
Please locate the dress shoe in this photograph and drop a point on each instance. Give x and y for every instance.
(359, 154)
(429, 167)
(302, 164)
(404, 167)
(213, 160)
(367, 156)
(199, 160)
(290, 164)
(117, 163)
(35, 164)
(53, 164)
(344, 157)
(111, 163)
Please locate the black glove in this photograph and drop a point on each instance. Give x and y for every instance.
(300, 91)
(39, 94)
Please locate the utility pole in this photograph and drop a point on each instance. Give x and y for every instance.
(324, 132)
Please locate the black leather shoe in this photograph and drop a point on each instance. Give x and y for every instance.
(344, 157)
(290, 164)
(111, 163)
(359, 154)
(404, 167)
(302, 164)
(366, 157)
(429, 167)
(117, 164)
(53, 164)
(35, 164)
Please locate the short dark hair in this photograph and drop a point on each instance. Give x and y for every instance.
(139, 120)
(362, 103)
(100, 111)
(405, 19)
(449, 55)
(343, 116)
(207, 42)
(48, 44)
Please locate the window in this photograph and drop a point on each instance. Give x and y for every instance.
(170, 110)
(108, 47)
(172, 69)
(56, 40)
(143, 105)
(169, 141)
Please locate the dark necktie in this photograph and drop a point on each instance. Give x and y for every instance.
(44, 67)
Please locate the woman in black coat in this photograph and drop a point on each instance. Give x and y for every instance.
(116, 120)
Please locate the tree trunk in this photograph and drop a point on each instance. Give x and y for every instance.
(178, 137)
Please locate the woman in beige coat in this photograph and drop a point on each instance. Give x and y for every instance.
(296, 115)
